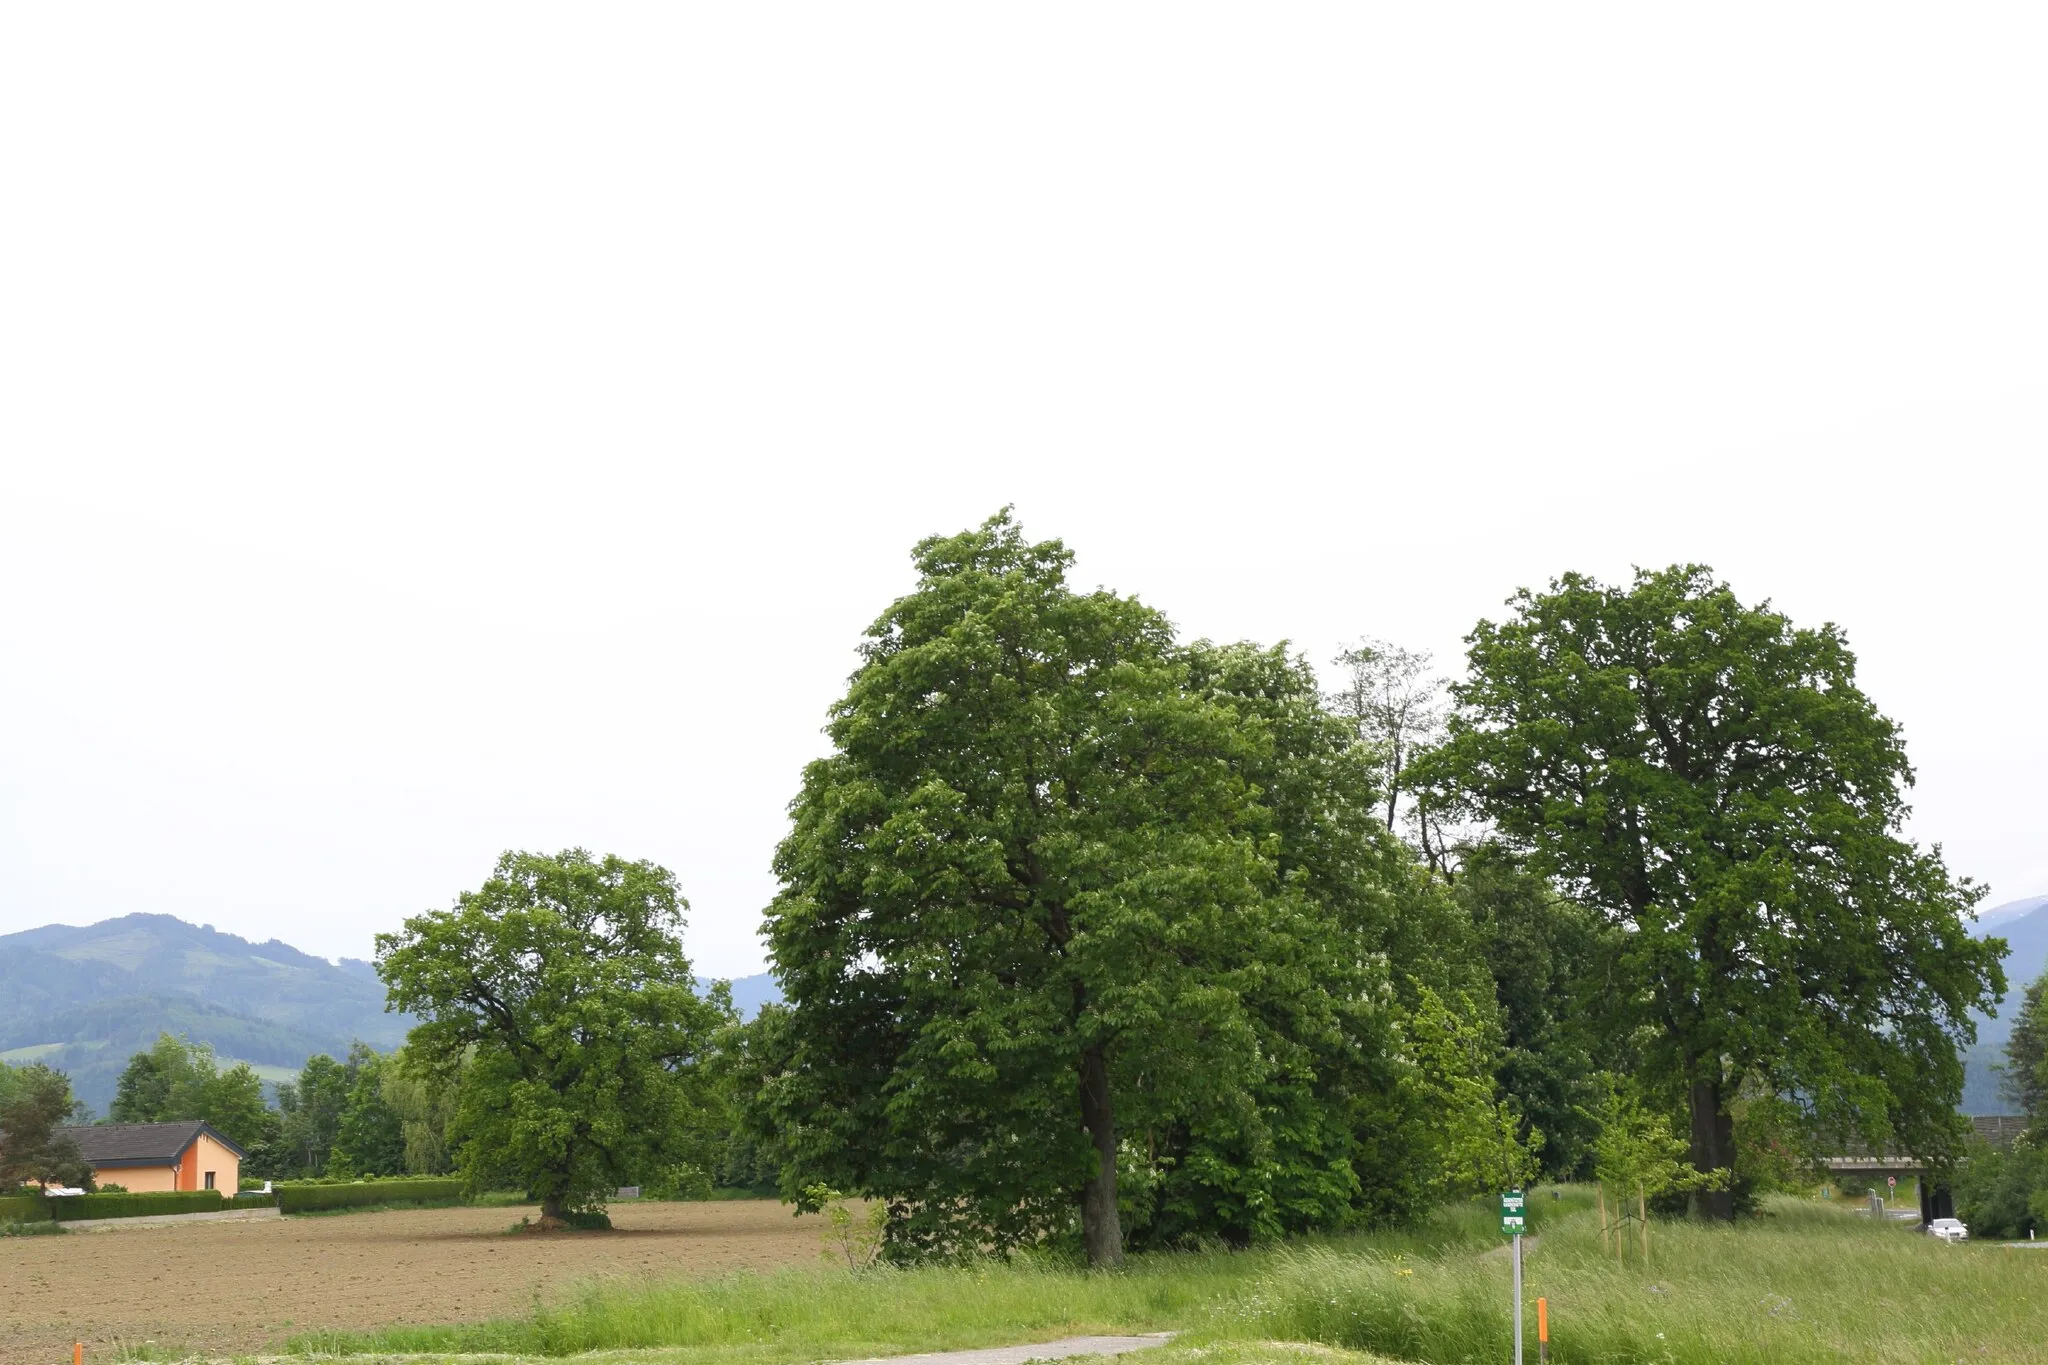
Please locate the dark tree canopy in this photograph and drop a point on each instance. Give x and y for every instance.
(35, 1105)
(1068, 902)
(2025, 1082)
(1542, 950)
(1711, 780)
(560, 993)
(177, 1079)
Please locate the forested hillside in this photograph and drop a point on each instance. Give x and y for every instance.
(2024, 927)
(86, 999)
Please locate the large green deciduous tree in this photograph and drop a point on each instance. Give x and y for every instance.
(35, 1104)
(369, 1138)
(177, 1079)
(1711, 780)
(560, 993)
(1037, 924)
(1541, 948)
(311, 1108)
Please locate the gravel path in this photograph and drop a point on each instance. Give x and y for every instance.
(1019, 1355)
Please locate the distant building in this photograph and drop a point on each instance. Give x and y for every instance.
(160, 1156)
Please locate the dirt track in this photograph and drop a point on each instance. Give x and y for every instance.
(214, 1288)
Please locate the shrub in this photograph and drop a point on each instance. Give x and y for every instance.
(30, 1229)
(306, 1197)
(70, 1208)
(1994, 1190)
(24, 1208)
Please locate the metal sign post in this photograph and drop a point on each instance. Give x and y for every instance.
(1513, 1219)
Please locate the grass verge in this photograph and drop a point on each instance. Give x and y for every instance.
(1805, 1284)
(46, 1227)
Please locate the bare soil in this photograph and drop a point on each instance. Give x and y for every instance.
(227, 1287)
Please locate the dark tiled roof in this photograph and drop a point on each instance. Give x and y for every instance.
(141, 1144)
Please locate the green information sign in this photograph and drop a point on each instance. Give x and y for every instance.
(1513, 1213)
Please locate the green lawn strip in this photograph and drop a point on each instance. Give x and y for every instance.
(1803, 1284)
(809, 1315)
(1806, 1283)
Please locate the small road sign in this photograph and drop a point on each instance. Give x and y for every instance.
(1892, 1181)
(1514, 1216)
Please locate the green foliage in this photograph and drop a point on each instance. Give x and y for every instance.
(2025, 1079)
(1709, 779)
(741, 1157)
(1802, 1286)
(1067, 901)
(1770, 1146)
(178, 1080)
(369, 1136)
(308, 1197)
(1330, 1130)
(24, 1208)
(33, 1144)
(1540, 949)
(425, 1107)
(2000, 1194)
(560, 993)
(30, 1229)
(310, 1111)
(854, 1238)
(1638, 1161)
(72, 1208)
(1477, 1142)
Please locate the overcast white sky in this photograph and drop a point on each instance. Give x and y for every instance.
(432, 429)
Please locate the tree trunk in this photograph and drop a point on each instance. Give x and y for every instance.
(1713, 1148)
(1101, 1232)
(551, 1207)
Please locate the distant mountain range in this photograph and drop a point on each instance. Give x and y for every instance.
(2023, 925)
(87, 999)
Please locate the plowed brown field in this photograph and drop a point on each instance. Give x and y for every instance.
(215, 1288)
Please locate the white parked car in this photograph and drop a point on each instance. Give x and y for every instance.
(1948, 1230)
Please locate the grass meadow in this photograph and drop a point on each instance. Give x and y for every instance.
(1805, 1282)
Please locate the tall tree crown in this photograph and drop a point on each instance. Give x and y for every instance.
(1711, 778)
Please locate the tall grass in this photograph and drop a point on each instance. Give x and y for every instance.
(1804, 1284)
(821, 1314)
(1801, 1284)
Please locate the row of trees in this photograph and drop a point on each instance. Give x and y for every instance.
(366, 1114)
(2005, 1194)
(1087, 931)
(1077, 914)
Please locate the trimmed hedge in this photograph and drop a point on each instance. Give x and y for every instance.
(23, 1208)
(307, 1198)
(72, 1207)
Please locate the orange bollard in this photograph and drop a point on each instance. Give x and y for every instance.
(1542, 1331)
(77, 1353)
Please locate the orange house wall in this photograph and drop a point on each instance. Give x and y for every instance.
(207, 1155)
(190, 1173)
(138, 1178)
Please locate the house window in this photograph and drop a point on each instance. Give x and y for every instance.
(209, 1180)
